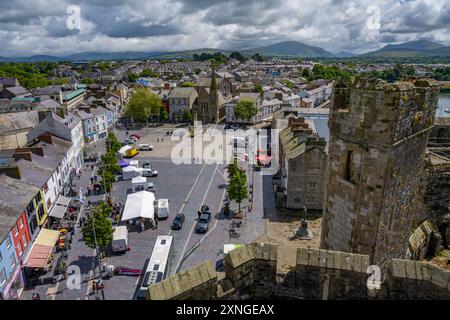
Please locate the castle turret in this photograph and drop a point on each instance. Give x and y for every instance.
(378, 137)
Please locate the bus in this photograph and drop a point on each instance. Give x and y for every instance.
(157, 266)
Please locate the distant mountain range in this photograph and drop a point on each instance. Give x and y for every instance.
(420, 48)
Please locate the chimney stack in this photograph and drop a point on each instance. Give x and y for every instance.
(22, 154)
(46, 138)
(12, 172)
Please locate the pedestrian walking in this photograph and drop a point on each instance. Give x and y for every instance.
(92, 179)
(142, 227)
(199, 213)
(95, 178)
(94, 286)
(83, 220)
(156, 223)
(157, 139)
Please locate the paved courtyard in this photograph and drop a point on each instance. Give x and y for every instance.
(187, 186)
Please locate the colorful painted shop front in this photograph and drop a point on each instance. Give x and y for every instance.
(11, 278)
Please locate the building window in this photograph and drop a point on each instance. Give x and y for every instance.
(1, 258)
(38, 197)
(24, 241)
(348, 169)
(16, 231)
(19, 248)
(2, 277)
(12, 260)
(8, 242)
(30, 208)
(45, 188)
(21, 223)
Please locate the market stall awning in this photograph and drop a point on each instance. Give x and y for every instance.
(60, 207)
(139, 205)
(38, 256)
(58, 212)
(42, 248)
(124, 149)
(124, 163)
(139, 180)
(47, 237)
(63, 201)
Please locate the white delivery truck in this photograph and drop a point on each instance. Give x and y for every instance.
(162, 209)
(120, 239)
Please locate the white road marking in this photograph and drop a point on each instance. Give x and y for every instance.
(218, 210)
(189, 194)
(193, 225)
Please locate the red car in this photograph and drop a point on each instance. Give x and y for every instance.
(136, 136)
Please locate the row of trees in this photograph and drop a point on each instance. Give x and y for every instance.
(98, 229)
(237, 187)
(320, 71)
(30, 75)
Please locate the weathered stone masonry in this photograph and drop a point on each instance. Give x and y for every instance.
(250, 272)
(378, 137)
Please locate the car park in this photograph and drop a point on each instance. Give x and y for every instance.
(177, 223)
(202, 223)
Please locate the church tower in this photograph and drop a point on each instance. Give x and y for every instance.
(378, 138)
(213, 100)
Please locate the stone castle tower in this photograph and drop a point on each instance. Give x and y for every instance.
(378, 137)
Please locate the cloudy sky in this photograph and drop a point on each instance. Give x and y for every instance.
(40, 26)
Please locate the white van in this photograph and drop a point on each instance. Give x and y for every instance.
(149, 172)
(163, 209)
(120, 239)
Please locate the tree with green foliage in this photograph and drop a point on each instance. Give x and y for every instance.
(259, 88)
(258, 57)
(149, 73)
(112, 143)
(245, 109)
(143, 105)
(306, 73)
(98, 229)
(237, 56)
(237, 189)
(164, 115)
(87, 81)
(288, 83)
(320, 71)
(132, 77)
(197, 70)
(187, 116)
(187, 84)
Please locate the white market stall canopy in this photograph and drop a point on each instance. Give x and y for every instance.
(139, 205)
(124, 149)
(138, 182)
(60, 207)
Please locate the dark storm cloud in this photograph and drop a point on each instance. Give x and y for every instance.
(118, 25)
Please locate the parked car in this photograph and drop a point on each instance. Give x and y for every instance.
(177, 223)
(149, 173)
(145, 147)
(202, 224)
(147, 164)
(204, 209)
(127, 142)
(151, 187)
(135, 136)
(162, 209)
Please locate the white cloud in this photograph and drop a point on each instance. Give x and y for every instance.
(38, 26)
